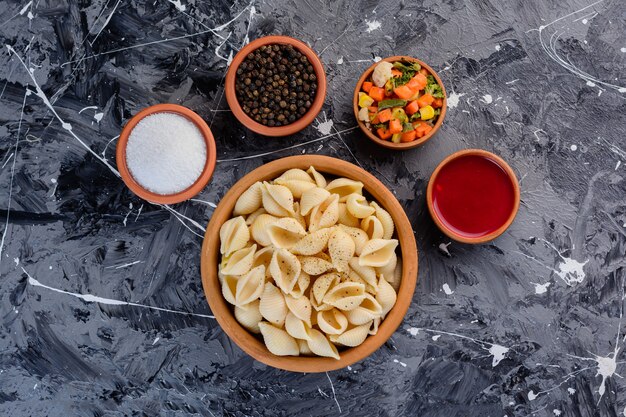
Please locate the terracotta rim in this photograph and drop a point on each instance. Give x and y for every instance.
(202, 180)
(512, 177)
(222, 310)
(299, 124)
(387, 143)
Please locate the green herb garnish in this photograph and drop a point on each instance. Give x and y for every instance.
(407, 127)
(392, 102)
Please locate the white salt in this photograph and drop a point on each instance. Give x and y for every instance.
(166, 153)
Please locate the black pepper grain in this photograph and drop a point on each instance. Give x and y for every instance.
(275, 85)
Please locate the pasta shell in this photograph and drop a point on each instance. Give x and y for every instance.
(300, 307)
(368, 309)
(366, 273)
(249, 316)
(278, 341)
(386, 295)
(353, 337)
(346, 218)
(373, 227)
(357, 206)
(277, 200)
(318, 306)
(229, 287)
(352, 277)
(385, 220)
(301, 285)
(332, 321)
(296, 327)
(285, 232)
(320, 345)
(341, 249)
(374, 326)
(234, 235)
(259, 229)
(314, 265)
(295, 174)
(252, 216)
(299, 217)
(263, 257)
(378, 252)
(312, 198)
(240, 261)
(359, 236)
(272, 305)
(323, 284)
(324, 215)
(319, 179)
(285, 269)
(250, 286)
(297, 187)
(389, 269)
(312, 243)
(344, 187)
(396, 279)
(346, 296)
(249, 200)
(304, 347)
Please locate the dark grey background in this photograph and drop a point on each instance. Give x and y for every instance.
(527, 325)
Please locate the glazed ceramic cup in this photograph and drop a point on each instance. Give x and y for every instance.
(387, 143)
(202, 180)
(253, 345)
(299, 124)
(514, 185)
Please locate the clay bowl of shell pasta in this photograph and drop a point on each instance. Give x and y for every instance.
(309, 263)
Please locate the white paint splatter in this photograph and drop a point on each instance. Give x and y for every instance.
(541, 288)
(623, 51)
(372, 25)
(87, 108)
(497, 47)
(23, 9)
(436, 337)
(606, 368)
(17, 261)
(377, 59)
(332, 387)
(443, 247)
(108, 301)
(53, 180)
(512, 81)
(413, 331)
(178, 4)
(572, 391)
(499, 353)
(487, 99)
(447, 290)
(585, 21)
(325, 127)
(556, 412)
(573, 147)
(155, 340)
(618, 165)
(401, 363)
(340, 60)
(590, 83)
(98, 116)
(571, 271)
(531, 395)
(453, 99)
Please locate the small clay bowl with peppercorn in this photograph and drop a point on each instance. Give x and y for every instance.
(276, 85)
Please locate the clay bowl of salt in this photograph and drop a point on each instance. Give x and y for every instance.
(166, 154)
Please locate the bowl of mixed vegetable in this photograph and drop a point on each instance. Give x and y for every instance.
(400, 102)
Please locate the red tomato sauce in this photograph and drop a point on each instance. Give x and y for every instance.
(473, 196)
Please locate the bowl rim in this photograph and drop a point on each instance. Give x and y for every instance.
(301, 123)
(387, 143)
(193, 189)
(514, 182)
(222, 310)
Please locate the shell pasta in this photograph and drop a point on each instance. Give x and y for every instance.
(309, 264)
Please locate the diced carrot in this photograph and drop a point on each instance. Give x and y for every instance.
(396, 73)
(437, 103)
(408, 136)
(377, 93)
(403, 92)
(424, 72)
(412, 107)
(425, 100)
(421, 80)
(413, 84)
(422, 129)
(395, 126)
(372, 109)
(375, 120)
(384, 115)
(367, 86)
(383, 133)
